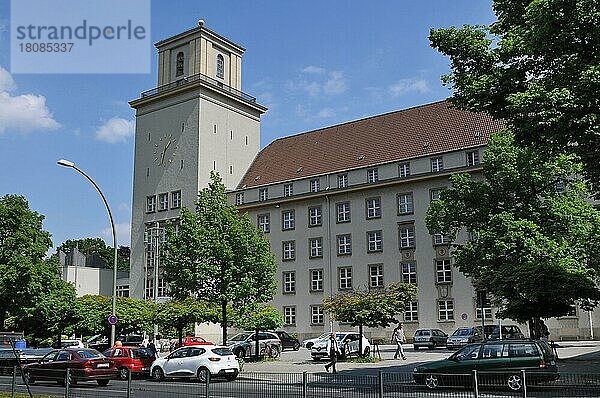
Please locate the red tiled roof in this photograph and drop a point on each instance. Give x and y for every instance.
(419, 131)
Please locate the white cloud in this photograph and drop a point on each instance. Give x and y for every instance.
(336, 84)
(313, 88)
(326, 112)
(24, 112)
(123, 234)
(330, 83)
(313, 70)
(404, 86)
(124, 207)
(115, 130)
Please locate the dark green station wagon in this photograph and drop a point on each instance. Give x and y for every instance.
(497, 362)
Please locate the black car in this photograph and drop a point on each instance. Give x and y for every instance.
(287, 341)
(509, 332)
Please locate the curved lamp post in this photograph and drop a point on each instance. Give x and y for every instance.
(67, 163)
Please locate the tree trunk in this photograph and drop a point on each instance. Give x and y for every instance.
(534, 328)
(180, 336)
(360, 342)
(2, 318)
(224, 318)
(59, 344)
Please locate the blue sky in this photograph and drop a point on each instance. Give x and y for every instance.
(312, 63)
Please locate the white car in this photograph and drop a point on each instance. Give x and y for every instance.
(308, 343)
(348, 345)
(197, 361)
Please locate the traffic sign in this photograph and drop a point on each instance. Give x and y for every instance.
(113, 319)
(464, 316)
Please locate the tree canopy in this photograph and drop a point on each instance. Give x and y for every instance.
(538, 68)
(182, 315)
(533, 239)
(218, 255)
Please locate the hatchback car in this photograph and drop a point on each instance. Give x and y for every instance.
(348, 345)
(308, 343)
(463, 336)
(509, 332)
(84, 364)
(429, 338)
(197, 361)
(136, 360)
(244, 344)
(497, 362)
(193, 340)
(287, 341)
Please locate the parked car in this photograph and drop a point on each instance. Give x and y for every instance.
(348, 344)
(287, 341)
(85, 365)
(499, 361)
(131, 339)
(308, 343)
(244, 344)
(463, 336)
(68, 343)
(430, 338)
(136, 360)
(509, 332)
(193, 340)
(197, 361)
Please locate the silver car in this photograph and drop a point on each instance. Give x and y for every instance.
(244, 344)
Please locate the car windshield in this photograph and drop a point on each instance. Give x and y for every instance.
(468, 352)
(240, 337)
(422, 333)
(222, 351)
(462, 332)
(89, 353)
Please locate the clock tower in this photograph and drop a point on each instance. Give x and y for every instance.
(196, 120)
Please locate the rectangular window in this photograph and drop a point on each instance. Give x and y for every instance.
(473, 158)
(376, 275)
(343, 212)
(315, 185)
(316, 247)
(163, 288)
(342, 180)
(316, 315)
(314, 216)
(344, 243)
(445, 310)
(435, 194)
(487, 309)
(403, 170)
(373, 175)
(437, 164)
(264, 222)
(288, 250)
(163, 201)
(409, 272)
(374, 241)
(440, 239)
(150, 204)
(288, 219)
(345, 278)
(176, 199)
(443, 271)
(289, 282)
(288, 189)
(405, 203)
(407, 236)
(123, 291)
(239, 198)
(373, 206)
(149, 288)
(263, 194)
(316, 280)
(289, 315)
(411, 312)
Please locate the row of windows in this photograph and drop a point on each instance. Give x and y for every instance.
(163, 288)
(436, 163)
(443, 274)
(343, 213)
(317, 316)
(180, 61)
(163, 201)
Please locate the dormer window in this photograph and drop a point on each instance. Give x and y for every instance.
(220, 66)
(179, 68)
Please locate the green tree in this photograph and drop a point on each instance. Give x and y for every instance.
(218, 255)
(258, 317)
(24, 271)
(538, 68)
(97, 246)
(181, 315)
(371, 308)
(534, 239)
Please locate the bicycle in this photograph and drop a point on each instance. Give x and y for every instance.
(270, 351)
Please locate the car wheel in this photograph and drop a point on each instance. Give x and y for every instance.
(309, 345)
(123, 373)
(231, 377)
(432, 381)
(28, 378)
(102, 383)
(158, 374)
(514, 382)
(203, 374)
(240, 353)
(296, 346)
(275, 351)
(367, 351)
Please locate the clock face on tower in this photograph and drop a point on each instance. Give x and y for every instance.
(164, 150)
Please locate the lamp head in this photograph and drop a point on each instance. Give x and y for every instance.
(65, 163)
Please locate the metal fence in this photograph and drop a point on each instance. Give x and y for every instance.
(317, 385)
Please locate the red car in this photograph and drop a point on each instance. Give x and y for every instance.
(134, 359)
(193, 340)
(84, 364)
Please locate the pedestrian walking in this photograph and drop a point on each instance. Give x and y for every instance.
(333, 351)
(399, 338)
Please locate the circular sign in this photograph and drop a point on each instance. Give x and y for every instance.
(112, 319)
(464, 316)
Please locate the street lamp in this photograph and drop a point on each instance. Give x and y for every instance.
(67, 163)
